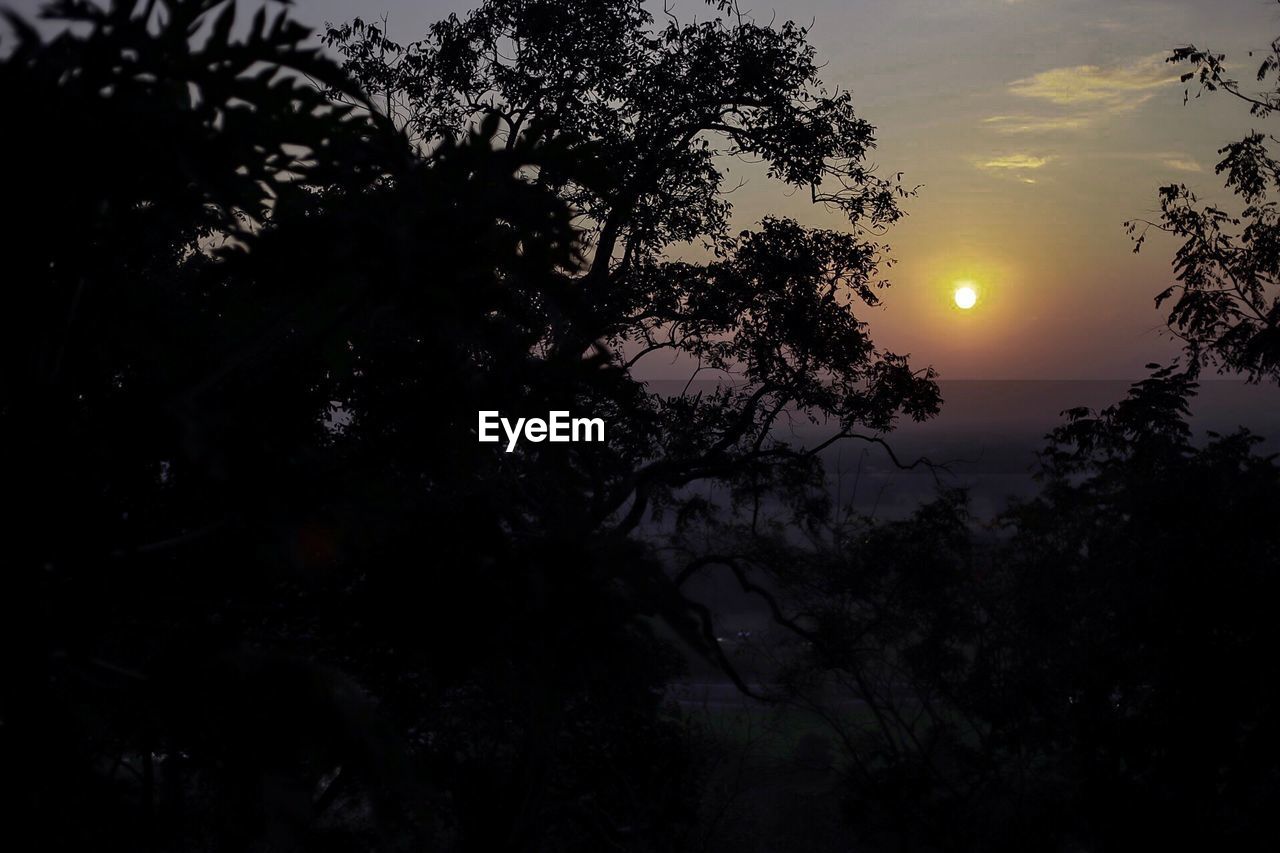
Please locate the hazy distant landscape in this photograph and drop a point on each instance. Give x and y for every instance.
(989, 432)
(987, 436)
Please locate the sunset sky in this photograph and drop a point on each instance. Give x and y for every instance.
(1036, 127)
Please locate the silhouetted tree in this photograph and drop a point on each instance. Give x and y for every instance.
(641, 109)
(662, 109)
(1100, 676)
(143, 700)
(1142, 644)
(267, 588)
(1226, 304)
(657, 108)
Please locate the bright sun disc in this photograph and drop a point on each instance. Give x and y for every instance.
(966, 297)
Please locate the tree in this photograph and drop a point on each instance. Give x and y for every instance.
(142, 701)
(652, 112)
(1098, 676)
(286, 594)
(1225, 306)
(659, 109)
(646, 113)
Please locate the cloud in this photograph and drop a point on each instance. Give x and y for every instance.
(1084, 95)
(1037, 124)
(1176, 160)
(1014, 163)
(1115, 88)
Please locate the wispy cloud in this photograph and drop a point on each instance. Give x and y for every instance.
(1182, 164)
(1115, 88)
(1176, 160)
(1014, 163)
(1037, 124)
(1083, 95)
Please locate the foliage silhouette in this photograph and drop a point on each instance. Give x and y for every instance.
(268, 590)
(643, 109)
(1099, 676)
(1226, 305)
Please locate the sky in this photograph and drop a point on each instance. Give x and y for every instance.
(1035, 129)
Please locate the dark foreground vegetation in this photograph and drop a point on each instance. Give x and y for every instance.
(265, 591)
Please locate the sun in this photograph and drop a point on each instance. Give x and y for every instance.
(966, 297)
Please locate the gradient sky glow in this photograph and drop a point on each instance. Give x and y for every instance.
(1035, 127)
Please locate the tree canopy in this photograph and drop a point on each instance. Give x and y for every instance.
(1095, 671)
(274, 577)
(1225, 304)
